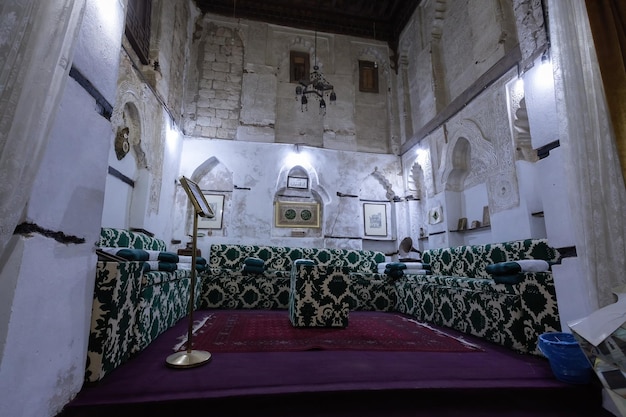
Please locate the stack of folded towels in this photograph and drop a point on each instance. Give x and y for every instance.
(417, 268)
(253, 266)
(407, 268)
(394, 270)
(512, 272)
(154, 260)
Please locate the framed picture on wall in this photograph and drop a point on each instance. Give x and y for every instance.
(297, 182)
(216, 203)
(297, 214)
(375, 219)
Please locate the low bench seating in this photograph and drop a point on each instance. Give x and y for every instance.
(228, 285)
(461, 294)
(133, 305)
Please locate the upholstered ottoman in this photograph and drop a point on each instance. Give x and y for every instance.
(319, 295)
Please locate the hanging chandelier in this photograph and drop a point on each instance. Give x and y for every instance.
(315, 85)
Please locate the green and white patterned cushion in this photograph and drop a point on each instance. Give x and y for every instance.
(233, 256)
(510, 315)
(131, 307)
(280, 258)
(230, 289)
(113, 317)
(372, 292)
(122, 238)
(319, 296)
(471, 260)
(162, 305)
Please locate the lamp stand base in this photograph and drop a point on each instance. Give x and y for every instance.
(188, 359)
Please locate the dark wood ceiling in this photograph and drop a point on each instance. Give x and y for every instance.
(373, 19)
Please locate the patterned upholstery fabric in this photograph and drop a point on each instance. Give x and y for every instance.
(462, 295)
(228, 286)
(131, 309)
(280, 258)
(471, 260)
(319, 296)
(121, 238)
(372, 292)
(113, 317)
(230, 289)
(163, 304)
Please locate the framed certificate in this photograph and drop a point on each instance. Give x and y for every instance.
(375, 219)
(297, 182)
(216, 203)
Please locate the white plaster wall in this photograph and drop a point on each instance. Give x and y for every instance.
(158, 221)
(249, 213)
(43, 362)
(541, 103)
(54, 294)
(98, 45)
(551, 185)
(551, 179)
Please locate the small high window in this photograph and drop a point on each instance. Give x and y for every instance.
(138, 27)
(299, 66)
(368, 77)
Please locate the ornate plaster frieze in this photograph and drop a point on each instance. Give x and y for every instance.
(471, 157)
(137, 108)
(531, 30)
(386, 184)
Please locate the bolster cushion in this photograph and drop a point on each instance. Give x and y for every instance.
(130, 254)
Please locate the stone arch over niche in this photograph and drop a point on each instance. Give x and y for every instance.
(459, 165)
(470, 162)
(301, 169)
(375, 188)
(213, 177)
(308, 191)
(130, 125)
(149, 147)
(415, 180)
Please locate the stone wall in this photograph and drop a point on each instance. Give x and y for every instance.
(238, 88)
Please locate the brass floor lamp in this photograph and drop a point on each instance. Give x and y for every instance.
(191, 358)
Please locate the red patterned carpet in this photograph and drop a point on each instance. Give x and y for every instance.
(271, 331)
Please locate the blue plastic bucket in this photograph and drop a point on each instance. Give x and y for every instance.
(567, 360)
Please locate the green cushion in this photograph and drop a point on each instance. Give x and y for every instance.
(503, 268)
(508, 279)
(252, 269)
(170, 257)
(395, 266)
(254, 262)
(131, 254)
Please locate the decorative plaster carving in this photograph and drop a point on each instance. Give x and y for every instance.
(471, 158)
(531, 30)
(138, 109)
(438, 73)
(523, 146)
(389, 193)
(477, 158)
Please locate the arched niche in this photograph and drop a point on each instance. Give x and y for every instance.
(214, 178)
(459, 165)
(299, 184)
(376, 190)
(127, 189)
